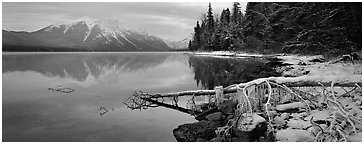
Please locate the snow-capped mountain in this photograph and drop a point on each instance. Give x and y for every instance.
(181, 44)
(83, 34)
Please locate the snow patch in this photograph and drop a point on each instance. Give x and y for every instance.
(128, 40)
(227, 54)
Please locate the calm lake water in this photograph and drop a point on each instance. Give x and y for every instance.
(30, 112)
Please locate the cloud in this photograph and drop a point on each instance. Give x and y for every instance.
(165, 20)
(173, 20)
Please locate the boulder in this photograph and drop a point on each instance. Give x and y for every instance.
(279, 121)
(228, 106)
(273, 113)
(202, 116)
(248, 122)
(214, 116)
(298, 124)
(191, 132)
(285, 116)
(314, 129)
(299, 115)
(293, 135)
(250, 127)
(229, 117)
(318, 115)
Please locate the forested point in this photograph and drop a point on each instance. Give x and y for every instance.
(282, 27)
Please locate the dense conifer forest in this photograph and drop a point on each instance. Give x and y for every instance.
(285, 27)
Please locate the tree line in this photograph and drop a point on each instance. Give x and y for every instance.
(284, 27)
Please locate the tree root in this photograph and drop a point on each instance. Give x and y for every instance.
(337, 128)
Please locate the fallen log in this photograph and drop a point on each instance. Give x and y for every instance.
(181, 109)
(303, 81)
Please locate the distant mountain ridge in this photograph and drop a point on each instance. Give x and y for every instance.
(83, 34)
(181, 44)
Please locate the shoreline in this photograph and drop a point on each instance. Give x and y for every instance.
(294, 65)
(295, 120)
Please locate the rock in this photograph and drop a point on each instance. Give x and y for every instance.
(217, 139)
(214, 116)
(228, 106)
(298, 124)
(318, 115)
(292, 135)
(346, 58)
(279, 121)
(306, 72)
(240, 139)
(298, 115)
(273, 113)
(250, 127)
(285, 116)
(201, 140)
(192, 131)
(202, 116)
(301, 63)
(317, 59)
(351, 106)
(314, 129)
(355, 138)
(248, 122)
(229, 117)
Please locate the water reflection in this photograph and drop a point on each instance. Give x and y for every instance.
(80, 66)
(210, 71)
(95, 112)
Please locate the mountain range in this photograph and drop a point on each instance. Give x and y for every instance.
(179, 45)
(83, 34)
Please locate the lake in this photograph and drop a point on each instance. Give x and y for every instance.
(102, 82)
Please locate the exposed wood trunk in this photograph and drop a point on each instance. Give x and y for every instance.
(288, 81)
(181, 109)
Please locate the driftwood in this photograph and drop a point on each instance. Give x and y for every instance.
(348, 57)
(181, 109)
(267, 94)
(292, 105)
(287, 81)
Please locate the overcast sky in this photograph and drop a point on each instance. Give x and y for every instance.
(173, 21)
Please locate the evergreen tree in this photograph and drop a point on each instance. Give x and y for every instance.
(190, 45)
(196, 43)
(210, 20)
(236, 15)
(225, 17)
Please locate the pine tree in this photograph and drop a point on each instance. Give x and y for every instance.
(210, 20)
(196, 43)
(225, 17)
(190, 45)
(235, 16)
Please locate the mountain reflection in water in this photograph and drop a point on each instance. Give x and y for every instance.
(80, 66)
(102, 81)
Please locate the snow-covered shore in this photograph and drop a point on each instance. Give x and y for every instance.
(317, 118)
(316, 67)
(226, 54)
(303, 66)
